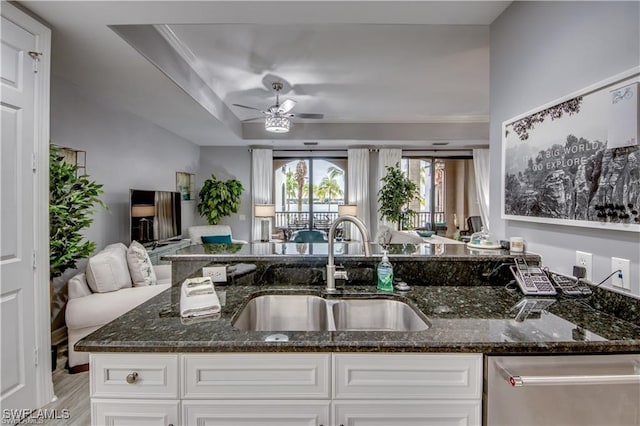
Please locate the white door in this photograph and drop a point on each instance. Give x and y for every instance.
(19, 201)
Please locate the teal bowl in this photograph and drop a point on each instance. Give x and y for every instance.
(425, 234)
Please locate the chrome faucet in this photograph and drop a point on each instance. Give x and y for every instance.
(332, 274)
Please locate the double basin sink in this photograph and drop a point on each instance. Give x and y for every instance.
(296, 312)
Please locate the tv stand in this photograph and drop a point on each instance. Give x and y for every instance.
(166, 248)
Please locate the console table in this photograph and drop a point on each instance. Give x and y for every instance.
(166, 248)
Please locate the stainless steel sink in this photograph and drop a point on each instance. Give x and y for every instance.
(280, 312)
(285, 312)
(377, 315)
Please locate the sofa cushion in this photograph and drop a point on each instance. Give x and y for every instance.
(108, 270)
(216, 239)
(78, 287)
(101, 308)
(140, 267)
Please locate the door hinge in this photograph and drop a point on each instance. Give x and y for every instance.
(36, 59)
(34, 161)
(35, 352)
(34, 260)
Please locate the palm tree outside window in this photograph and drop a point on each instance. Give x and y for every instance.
(308, 192)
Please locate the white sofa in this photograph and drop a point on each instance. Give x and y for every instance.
(196, 233)
(387, 235)
(87, 309)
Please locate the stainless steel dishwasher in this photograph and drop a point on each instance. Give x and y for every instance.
(585, 390)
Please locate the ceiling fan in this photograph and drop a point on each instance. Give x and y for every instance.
(277, 117)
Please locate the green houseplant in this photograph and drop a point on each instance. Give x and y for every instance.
(396, 194)
(72, 199)
(219, 198)
(71, 204)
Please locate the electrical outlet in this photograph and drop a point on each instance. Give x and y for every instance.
(621, 279)
(586, 260)
(218, 274)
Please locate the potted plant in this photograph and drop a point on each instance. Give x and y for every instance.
(219, 198)
(72, 199)
(396, 194)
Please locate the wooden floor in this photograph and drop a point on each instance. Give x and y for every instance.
(72, 391)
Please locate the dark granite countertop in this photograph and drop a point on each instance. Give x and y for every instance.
(351, 250)
(485, 319)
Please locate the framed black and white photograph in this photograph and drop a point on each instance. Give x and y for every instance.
(576, 160)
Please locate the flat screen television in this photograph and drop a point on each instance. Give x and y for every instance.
(155, 216)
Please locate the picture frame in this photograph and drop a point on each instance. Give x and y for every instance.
(557, 167)
(185, 185)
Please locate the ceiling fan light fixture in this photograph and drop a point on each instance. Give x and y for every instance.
(277, 124)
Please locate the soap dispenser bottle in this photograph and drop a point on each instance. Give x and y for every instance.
(385, 274)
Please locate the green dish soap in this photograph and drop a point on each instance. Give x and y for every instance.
(385, 274)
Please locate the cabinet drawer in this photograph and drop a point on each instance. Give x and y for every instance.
(113, 412)
(263, 413)
(407, 376)
(152, 376)
(259, 376)
(407, 413)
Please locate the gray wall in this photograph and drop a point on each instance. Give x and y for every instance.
(541, 51)
(229, 163)
(123, 151)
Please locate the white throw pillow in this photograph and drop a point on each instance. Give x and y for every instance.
(108, 270)
(140, 267)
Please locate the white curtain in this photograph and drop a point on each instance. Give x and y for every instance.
(261, 184)
(358, 186)
(387, 157)
(481, 166)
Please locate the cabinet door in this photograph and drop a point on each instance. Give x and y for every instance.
(127, 412)
(407, 376)
(147, 376)
(251, 412)
(256, 376)
(406, 413)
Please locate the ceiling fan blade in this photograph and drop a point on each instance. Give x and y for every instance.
(286, 106)
(309, 115)
(251, 119)
(247, 107)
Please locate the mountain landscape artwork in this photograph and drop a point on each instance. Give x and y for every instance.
(558, 167)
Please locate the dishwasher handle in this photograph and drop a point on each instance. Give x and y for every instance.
(516, 380)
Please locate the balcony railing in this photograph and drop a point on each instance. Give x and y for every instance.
(423, 220)
(293, 221)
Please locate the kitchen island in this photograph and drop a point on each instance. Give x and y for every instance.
(151, 365)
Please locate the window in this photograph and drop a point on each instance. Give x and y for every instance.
(447, 188)
(308, 192)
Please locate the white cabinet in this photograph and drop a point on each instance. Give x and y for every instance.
(407, 389)
(407, 376)
(130, 412)
(251, 412)
(407, 413)
(148, 376)
(258, 376)
(288, 389)
(134, 389)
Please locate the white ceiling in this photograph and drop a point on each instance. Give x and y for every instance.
(381, 72)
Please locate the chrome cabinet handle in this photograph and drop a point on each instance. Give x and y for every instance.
(132, 377)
